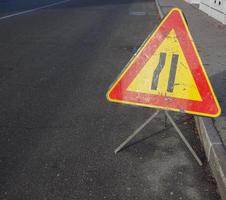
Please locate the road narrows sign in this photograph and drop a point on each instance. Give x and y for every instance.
(167, 73)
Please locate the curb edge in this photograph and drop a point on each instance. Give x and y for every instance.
(214, 150)
(159, 9)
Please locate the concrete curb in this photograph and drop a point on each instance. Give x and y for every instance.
(215, 151)
(213, 146)
(159, 9)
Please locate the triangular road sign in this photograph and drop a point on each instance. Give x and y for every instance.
(167, 73)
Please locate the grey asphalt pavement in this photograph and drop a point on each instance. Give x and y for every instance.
(57, 130)
(8, 7)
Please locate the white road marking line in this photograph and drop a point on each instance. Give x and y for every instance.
(34, 9)
(137, 13)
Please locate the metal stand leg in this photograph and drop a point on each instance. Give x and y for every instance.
(137, 131)
(165, 120)
(183, 138)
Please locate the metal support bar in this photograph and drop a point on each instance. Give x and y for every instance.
(137, 131)
(183, 138)
(165, 120)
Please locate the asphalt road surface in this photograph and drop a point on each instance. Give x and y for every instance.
(57, 130)
(9, 7)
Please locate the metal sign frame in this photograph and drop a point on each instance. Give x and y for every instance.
(168, 116)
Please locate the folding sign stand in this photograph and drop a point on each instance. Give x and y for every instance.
(174, 125)
(167, 73)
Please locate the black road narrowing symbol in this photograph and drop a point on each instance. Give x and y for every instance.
(172, 74)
